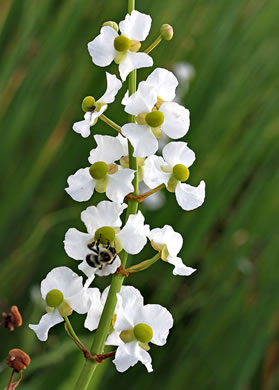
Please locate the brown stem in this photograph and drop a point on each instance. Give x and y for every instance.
(11, 380)
(140, 198)
(101, 357)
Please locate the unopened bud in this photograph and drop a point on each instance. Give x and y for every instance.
(18, 359)
(114, 25)
(166, 32)
(135, 45)
(140, 118)
(65, 309)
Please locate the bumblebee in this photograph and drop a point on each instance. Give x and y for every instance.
(101, 255)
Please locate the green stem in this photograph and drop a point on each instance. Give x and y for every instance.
(117, 280)
(71, 330)
(153, 44)
(144, 264)
(110, 123)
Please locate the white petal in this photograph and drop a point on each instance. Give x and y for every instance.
(63, 279)
(126, 356)
(75, 243)
(153, 175)
(180, 268)
(143, 100)
(80, 302)
(144, 358)
(95, 114)
(87, 269)
(95, 310)
(109, 268)
(101, 48)
(136, 26)
(120, 184)
(81, 185)
(141, 137)
(134, 61)
(125, 98)
(124, 143)
(82, 128)
(113, 86)
(167, 236)
(164, 82)
(129, 302)
(189, 197)
(134, 233)
(114, 339)
(106, 213)
(160, 320)
(47, 321)
(177, 120)
(109, 149)
(178, 153)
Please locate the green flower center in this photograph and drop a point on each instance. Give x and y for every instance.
(143, 333)
(98, 170)
(180, 172)
(122, 43)
(54, 298)
(154, 118)
(105, 234)
(88, 104)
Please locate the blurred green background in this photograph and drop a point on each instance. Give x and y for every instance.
(226, 314)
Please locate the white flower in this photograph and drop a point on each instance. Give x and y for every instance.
(172, 170)
(63, 293)
(135, 326)
(103, 223)
(170, 118)
(169, 243)
(103, 175)
(90, 117)
(164, 83)
(109, 46)
(97, 302)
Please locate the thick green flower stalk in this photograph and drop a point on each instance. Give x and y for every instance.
(115, 227)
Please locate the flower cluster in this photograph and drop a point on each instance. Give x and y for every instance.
(99, 249)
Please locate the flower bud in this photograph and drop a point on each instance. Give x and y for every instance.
(180, 172)
(143, 333)
(122, 43)
(154, 118)
(135, 45)
(54, 298)
(172, 183)
(127, 336)
(166, 31)
(18, 359)
(65, 309)
(112, 24)
(112, 168)
(98, 170)
(88, 104)
(105, 234)
(140, 118)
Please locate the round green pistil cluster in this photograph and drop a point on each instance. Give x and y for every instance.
(122, 43)
(154, 118)
(88, 104)
(180, 172)
(105, 234)
(54, 298)
(98, 170)
(143, 333)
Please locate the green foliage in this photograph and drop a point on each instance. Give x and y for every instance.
(226, 314)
